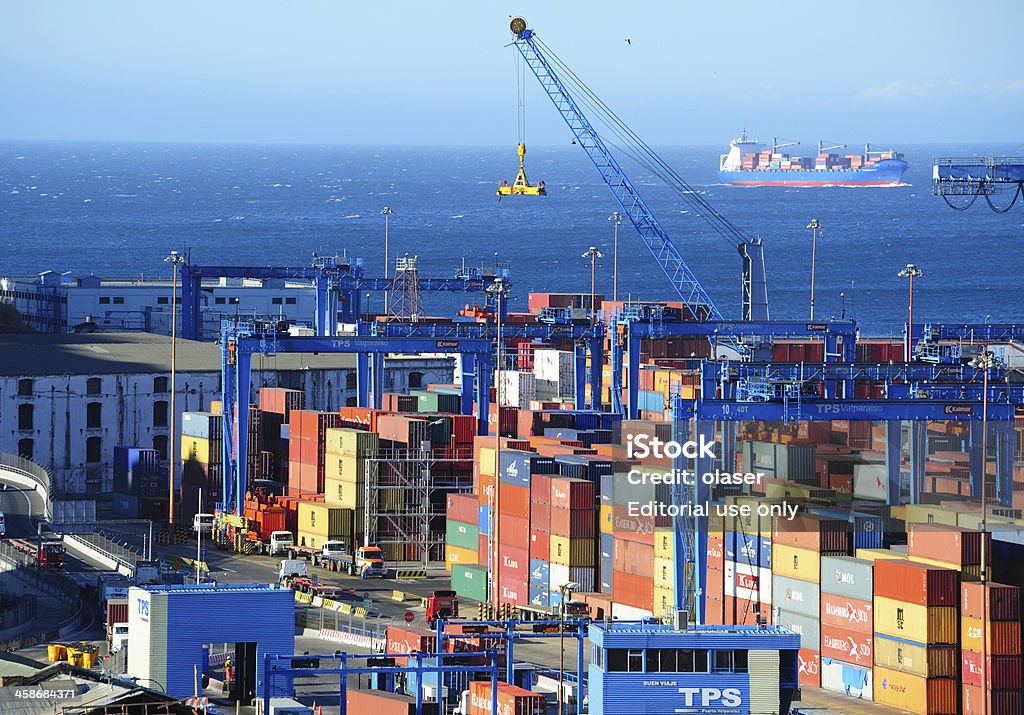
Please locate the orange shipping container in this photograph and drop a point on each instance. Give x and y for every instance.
(916, 583)
(1000, 637)
(511, 700)
(809, 662)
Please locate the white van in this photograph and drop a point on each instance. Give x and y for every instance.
(202, 523)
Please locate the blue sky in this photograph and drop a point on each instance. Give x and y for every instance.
(348, 72)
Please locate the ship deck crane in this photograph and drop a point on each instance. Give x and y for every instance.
(782, 144)
(822, 148)
(971, 177)
(556, 78)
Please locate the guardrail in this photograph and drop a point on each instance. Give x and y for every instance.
(29, 470)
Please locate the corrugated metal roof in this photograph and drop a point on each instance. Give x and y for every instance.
(38, 354)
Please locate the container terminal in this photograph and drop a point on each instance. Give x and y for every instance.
(594, 506)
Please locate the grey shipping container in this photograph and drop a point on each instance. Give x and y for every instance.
(847, 576)
(790, 594)
(809, 627)
(791, 462)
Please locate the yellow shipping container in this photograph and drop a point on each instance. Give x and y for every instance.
(664, 573)
(572, 552)
(664, 601)
(970, 638)
(311, 541)
(352, 442)
(195, 449)
(488, 465)
(911, 692)
(324, 520)
(347, 467)
(607, 519)
(458, 555)
(930, 514)
(921, 624)
(750, 523)
(216, 407)
(802, 564)
(347, 495)
(967, 573)
(664, 541)
(938, 661)
(875, 554)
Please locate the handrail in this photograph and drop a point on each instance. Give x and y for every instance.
(33, 471)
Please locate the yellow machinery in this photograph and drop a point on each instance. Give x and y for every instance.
(521, 186)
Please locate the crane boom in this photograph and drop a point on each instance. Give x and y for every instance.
(683, 280)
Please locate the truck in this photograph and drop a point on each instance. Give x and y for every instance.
(291, 569)
(281, 542)
(334, 556)
(51, 555)
(441, 605)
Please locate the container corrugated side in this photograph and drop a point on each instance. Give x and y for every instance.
(925, 696)
(792, 562)
(1003, 601)
(921, 624)
(1000, 637)
(928, 661)
(847, 576)
(916, 583)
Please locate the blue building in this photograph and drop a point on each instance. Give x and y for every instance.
(654, 669)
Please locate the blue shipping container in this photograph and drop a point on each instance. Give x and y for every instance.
(485, 520)
(539, 596)
(515, 467)
(748, 549)
(540, 572)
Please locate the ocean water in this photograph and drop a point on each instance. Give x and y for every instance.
(117, 209)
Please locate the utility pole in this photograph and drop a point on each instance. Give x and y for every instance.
(911, 272)
(174, 259)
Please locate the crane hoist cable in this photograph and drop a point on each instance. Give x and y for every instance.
(640, 152)
(520, 186)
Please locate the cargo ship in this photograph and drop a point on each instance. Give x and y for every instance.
(752, 163)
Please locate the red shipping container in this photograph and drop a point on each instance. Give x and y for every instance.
(514, 562)
(568, 493)
(464, 508)
(716, 550)
(513, 531)
(714, 611)
(540, 544)
(809, 663)
(381, 702)
(511, 700)
(463, 429)
(573, 523)
(632, 590)
(916, 583)
(514, 500)
(847, 613)
(856, 648)
(273, 519)
(948, 544)
(514, 589)
(633, 528)
(842, 483)
(743, 612)
(1000, 702)
(1003, 601)
(540, 488)
(633, 557)
(1001, 672)
(482, 553)
(816, 533)
(410, 639)
(715, 583)
(540, 517)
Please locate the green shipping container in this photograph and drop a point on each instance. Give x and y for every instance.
(470, 581)
(438, 402)
(462, 534)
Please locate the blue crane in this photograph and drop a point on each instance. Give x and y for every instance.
(555, 77)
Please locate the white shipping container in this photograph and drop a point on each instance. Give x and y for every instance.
(554, 365)
(518, 389)
(546, 390)
(846, 678)
(582, 576)
(622, 612)
(749, 583)
(870, 481)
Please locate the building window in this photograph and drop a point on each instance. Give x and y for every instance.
(415, 379)
(220, 301)
(118, 300)
(350, 381)
(162, 300)
(25, 411)
(160, 413)
(275, 301)
(25, 447)
(93, 386)
(289, 301)
(677, 660)
(25, 388)
(94, 415)
(160, 445)
(104, 300)
(161, 384)
(93, 449)
(730, 661)
(621, 660)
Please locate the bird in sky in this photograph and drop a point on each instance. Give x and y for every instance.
(628, 42)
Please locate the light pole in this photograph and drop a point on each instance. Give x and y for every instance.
(842, 298)
(616, 218)
(386, 212)
(911, 272)
(985, 361)
(815, 226)
(174, 259)
(499, 290)
(593, 254)
(565, 590)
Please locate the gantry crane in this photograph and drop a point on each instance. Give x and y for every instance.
(556, 78)
(971, 177)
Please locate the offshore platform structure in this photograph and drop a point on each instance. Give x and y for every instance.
(971, 177)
